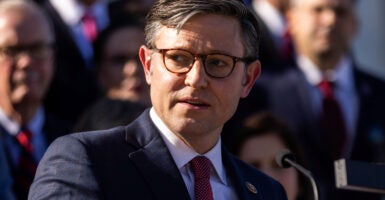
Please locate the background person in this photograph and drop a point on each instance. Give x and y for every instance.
(118, 68)
(26, 70)
(276, 42)
(333, 108)
(262, 136)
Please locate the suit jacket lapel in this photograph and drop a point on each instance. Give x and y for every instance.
(155, 163)
(238, 178)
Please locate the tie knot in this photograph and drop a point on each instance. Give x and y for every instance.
(89, 26)
(24, 139)
(326, 87)
(88, 15)
(201, 167)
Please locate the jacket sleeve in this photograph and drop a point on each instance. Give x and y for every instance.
(65, 172)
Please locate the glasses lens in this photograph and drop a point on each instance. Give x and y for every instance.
(36, 51)
(218, 65)
(40, 51)
(181, 61)
(178, 61)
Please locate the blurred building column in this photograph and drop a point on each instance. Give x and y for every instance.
(369, 44)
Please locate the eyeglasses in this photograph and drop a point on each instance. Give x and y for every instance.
(36, 51)
(216, 65)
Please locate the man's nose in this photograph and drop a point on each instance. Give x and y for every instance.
(197, 76)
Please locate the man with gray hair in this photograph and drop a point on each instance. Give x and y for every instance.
(200, 58)
(26, 68)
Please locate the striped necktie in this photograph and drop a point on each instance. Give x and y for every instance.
(26, 169)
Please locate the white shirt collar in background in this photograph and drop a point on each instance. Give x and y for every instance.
(342, 73)
(71, 11)
(273, 19)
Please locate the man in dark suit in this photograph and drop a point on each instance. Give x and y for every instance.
(26, 68)
(322, 31)
(74, 85)
(277, 52)
(198, 62)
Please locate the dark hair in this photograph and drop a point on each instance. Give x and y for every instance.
(265, 123)
(175, 13)
(108, 113)
(103, 37)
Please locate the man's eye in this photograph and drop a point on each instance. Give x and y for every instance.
(179, 59)
(217, 63)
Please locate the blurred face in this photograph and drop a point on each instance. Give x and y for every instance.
(322, 27)
(194, 104)
(26, 65)
(121, 74)
(260, 151)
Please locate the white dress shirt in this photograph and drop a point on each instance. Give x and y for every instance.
(182, 155)
(344, 92)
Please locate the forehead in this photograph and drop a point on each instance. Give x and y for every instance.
(23, 26)
(203, 34)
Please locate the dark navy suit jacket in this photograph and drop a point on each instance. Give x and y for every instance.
(130, 162)
(74, 86)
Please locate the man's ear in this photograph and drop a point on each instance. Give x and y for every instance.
(145, 59)
(252, 72)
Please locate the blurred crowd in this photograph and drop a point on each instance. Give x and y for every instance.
(73, 65)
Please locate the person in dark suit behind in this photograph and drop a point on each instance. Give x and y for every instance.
(26, 69)
(124, 90)
(276, 45)
(5, 177)
(322, 32)
(74, 85)
(198, 62)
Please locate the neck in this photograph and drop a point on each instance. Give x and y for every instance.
(21, 114)
(326, 62)
(202, 143)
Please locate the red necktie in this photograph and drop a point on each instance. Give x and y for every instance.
(286, 47)
(89, 26)
(201, 169)
(332, 121)
(27, 165)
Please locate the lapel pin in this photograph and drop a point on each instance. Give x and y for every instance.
(251, 187)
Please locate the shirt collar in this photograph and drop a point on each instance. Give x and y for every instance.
(71, 11)
(342, 73)
(273, 19)
(182, 154)
(12, 127)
